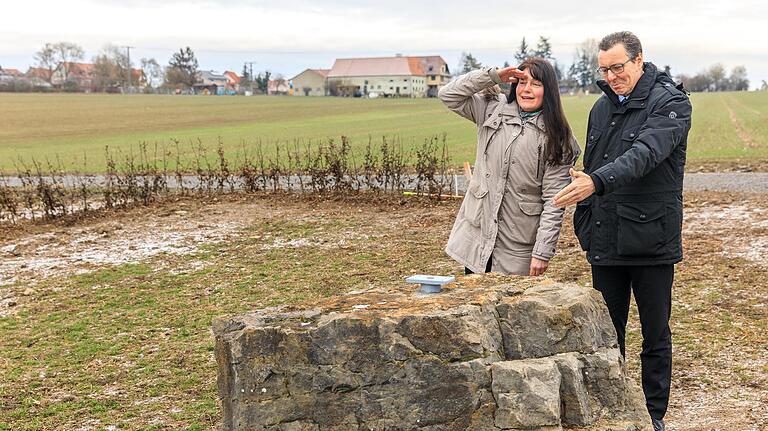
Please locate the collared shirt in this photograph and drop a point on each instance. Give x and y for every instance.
(622, 98)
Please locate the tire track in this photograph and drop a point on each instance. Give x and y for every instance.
(742, 134)
(745, 106)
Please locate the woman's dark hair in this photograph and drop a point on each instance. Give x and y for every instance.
(558, 150)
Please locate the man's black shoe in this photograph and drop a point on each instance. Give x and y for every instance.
(658, 424)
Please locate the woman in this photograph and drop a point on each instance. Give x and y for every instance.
(508, 222)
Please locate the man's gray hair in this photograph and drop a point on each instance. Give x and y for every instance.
(627, 38)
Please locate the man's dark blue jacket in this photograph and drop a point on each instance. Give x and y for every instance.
(635, 154)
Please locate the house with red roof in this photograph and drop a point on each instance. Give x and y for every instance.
(11, 73)
(39, 73)
(233, 81)
(82, 75)
(398, 76)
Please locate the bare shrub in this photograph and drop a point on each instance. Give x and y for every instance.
(140, 175)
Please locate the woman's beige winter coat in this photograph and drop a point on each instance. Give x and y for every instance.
(510, 166)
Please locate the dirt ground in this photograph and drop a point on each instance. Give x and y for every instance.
(720, 307)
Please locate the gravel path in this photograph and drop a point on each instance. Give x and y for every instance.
(751, 182)
(755, 182)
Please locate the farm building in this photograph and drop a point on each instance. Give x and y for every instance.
(311, 82)
(398, 76)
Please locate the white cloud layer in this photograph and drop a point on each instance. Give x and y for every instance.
(288, 37)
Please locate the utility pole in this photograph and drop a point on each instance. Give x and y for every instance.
(128, 50)
(250, 65)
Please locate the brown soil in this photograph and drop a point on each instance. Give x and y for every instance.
(720, 304)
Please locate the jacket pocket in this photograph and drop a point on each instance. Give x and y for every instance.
(592, 139)
(473, 202)
(628, 137)
(528, 226)
(641, 229)
(582, 223)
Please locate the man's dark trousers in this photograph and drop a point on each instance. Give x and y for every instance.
(652, 287)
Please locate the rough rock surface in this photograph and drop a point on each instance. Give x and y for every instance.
(521, 356)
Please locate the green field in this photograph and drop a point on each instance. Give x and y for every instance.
(726, 125)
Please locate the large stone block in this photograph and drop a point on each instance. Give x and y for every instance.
(527, 394)
(548, 320)
(512, 356)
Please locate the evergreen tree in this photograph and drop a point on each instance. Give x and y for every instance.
(523, 52)
(182, 68)
(468, 63)
(262, 81)
(543, 49)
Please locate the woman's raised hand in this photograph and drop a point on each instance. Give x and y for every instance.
(510, 74)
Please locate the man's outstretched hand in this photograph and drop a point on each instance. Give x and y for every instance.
(580, 188)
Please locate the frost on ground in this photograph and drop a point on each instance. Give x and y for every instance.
(81, 249)
(728, 223)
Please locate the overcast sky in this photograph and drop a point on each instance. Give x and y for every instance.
(287, 37)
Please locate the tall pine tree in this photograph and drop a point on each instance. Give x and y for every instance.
(182, 68)
(523, 52)
(468, 63)
(543, 49)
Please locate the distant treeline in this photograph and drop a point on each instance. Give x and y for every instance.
(715, 79)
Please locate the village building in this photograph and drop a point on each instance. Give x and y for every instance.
(8, 73)
(211, 83)
(40, 73)
(310, 82)
(398, 76)
(85, 77)
(279, 87)
(233, 82)
(437, 73)
(79, 75)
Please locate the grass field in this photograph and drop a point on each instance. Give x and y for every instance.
(70, 126)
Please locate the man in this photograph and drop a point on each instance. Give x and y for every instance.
(630, 209)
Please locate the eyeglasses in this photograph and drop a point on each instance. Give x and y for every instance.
(615, 68)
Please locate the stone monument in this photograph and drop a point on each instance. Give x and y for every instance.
(487, 353)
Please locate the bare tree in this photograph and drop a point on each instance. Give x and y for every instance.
(152, 70)
(67, 53)
(717, 76)
(738, 80)
(46, 59)
(111, 67)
